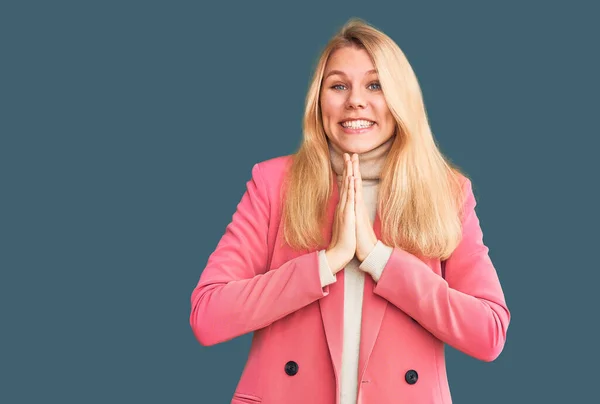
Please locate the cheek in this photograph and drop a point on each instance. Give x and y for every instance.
(384, 113)
(330, 108)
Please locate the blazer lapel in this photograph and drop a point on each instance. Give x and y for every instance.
(332, 305)
(372, 316)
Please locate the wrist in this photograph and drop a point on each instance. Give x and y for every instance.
(334, 261)
(365, 254)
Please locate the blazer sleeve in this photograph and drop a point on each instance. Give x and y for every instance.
(236, 294)
(467, 308)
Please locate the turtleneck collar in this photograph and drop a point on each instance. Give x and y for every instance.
(370, 162)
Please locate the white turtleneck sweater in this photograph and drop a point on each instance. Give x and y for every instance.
(370, 164)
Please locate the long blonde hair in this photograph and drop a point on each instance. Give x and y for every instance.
(420, 194)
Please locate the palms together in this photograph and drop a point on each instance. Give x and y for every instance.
(352, 233)
(365, 235)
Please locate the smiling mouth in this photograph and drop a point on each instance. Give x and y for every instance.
(357, 124)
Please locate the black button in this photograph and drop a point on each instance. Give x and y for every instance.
(411, 377)
(291, 368)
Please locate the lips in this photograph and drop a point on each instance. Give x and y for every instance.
(356, 128)
(356, 119)
(360, 123)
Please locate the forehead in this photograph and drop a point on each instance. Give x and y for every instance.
(351, 61)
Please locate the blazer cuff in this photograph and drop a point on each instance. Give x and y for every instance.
(376, 260)
(326, 274)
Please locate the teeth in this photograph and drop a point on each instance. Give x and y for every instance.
(358, 124)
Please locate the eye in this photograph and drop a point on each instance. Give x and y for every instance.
(337, 86)
(375, 86)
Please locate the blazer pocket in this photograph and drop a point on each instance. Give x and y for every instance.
(241, 398)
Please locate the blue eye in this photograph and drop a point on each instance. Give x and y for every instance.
(375, 84)
(336, 86)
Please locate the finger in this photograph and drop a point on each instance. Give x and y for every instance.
(358, 178)
(349, 166)
(355, 167)
(345, 159)
(349, 212)
(343, 184)
(347, 176)
(343, 192)
(349, 169)
(350, 202)
(344, 170)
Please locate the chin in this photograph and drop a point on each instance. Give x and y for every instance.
(358, 147)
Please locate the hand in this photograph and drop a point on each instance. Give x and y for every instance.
(365, 235)
(343, 240)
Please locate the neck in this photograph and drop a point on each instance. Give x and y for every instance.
(370, 162)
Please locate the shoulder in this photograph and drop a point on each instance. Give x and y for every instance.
(463, 192)
(272, 171)
(460, 177)
(463, 182)
(268, 176)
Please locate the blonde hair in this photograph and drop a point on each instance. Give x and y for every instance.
(420, 196)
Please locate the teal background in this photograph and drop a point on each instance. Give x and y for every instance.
(128, 131)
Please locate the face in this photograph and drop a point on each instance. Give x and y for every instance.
(355, 116)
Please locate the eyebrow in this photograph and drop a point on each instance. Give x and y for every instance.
(341, 73)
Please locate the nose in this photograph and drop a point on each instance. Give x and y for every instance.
(356, 99)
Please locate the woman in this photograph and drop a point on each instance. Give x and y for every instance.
(356, 259)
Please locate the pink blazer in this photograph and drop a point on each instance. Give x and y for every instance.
(253, 282)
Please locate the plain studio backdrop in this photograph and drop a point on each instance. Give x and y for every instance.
(128, 131)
